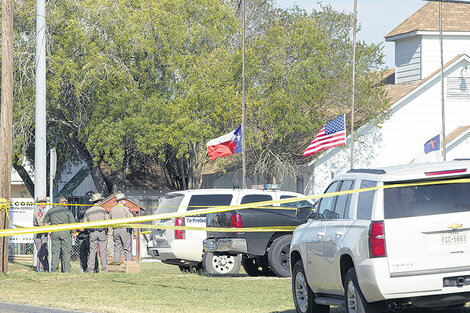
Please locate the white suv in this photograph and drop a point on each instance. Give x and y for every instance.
(184, 247)
(379, 249)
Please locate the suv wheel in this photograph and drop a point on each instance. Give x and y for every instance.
(304, 298)
(257, 266)
(355, 301)
(278, 256)
(221, 264)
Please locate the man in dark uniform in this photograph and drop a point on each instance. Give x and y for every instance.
(98, 236)
(40, 240)
(61, 241)
(84, 238)
(121, 236)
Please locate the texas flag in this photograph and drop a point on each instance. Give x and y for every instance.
(225, 145)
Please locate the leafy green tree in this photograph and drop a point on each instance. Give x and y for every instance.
(145, 84)
(300, 77)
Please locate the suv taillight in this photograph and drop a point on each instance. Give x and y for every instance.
(236, 221)
(377, 240)
(180, 233)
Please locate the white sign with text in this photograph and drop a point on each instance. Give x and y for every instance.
(21, 214)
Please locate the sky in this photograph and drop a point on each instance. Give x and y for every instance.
(376, 17)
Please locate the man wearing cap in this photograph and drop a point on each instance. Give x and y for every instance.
(98, 236)
(40, 240)
(61, 241)
(121, 236)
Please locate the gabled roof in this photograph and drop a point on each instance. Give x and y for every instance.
(397, 94)
(398, 91)
(455, 17)
(110, 201)
(456, 133)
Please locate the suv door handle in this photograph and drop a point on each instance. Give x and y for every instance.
(339, 234)
(321, 234)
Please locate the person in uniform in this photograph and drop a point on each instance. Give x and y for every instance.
(61, 241)
(84, 239)
(40, 240)
(121, 236)
(98, 236)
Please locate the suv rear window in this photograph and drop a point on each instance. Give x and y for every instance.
(255, 198)
(198, 202)
(296, 204)
(426, 200)
(365, 200)
(170, 204)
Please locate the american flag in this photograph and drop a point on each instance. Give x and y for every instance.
(331, 135)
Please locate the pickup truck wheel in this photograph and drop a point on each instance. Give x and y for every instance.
(185, 269)
(355, 301)
(221, 264)
(257, 266)
(278, 256)
(304, 298)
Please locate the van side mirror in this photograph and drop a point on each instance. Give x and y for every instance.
(304, 212)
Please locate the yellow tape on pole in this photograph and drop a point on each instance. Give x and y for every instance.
(4, 204)
(147, 218)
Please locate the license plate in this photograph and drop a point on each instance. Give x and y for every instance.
(454, 238)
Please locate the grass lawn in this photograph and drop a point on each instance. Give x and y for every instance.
(157, 288)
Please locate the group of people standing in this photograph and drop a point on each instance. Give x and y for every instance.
(61, 241)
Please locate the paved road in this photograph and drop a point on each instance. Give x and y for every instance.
(6, 307)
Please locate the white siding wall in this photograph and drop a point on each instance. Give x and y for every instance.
(431, 57)
(400, 138)
(408, 59)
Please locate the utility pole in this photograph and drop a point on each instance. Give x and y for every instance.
(6, 122)
(351, 164)
(40, 162)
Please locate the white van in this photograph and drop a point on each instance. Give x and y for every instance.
(184, 247)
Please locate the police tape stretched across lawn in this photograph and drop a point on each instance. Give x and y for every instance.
(4, 205)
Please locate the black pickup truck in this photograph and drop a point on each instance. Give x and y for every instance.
(263, 253)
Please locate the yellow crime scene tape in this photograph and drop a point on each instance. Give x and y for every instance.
(214, 229)
(4, 205)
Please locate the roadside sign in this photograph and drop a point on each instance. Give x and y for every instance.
(21, 214)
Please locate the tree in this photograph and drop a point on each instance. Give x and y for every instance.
(300, 78)
(134, 84)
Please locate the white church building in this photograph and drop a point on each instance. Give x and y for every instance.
(414, 90)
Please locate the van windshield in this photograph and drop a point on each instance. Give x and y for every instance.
(170, 204)
(426, 200)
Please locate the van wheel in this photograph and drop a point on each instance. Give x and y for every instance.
(221, 264)
(278, 256)
(355, 301)
(304, 298)
(257, 266)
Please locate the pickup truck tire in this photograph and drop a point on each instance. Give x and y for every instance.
(355, 301)
(220, 265)
(278, 256)
(257, 266)
(304, 298)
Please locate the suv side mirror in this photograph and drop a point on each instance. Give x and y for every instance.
(303, 212)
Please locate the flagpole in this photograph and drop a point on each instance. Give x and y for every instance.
(353, 83)
(243, 98)
(442, 87)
